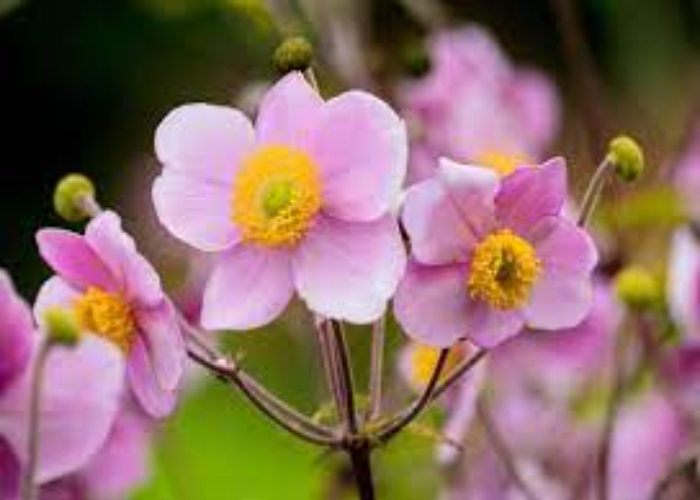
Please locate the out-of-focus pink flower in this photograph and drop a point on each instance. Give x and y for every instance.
(16, 332)
(80, 396)
(476, 107)
(118, 468)
(684, 282)
(564, 361)
(687, 176)
(491, 255)
(299, 203)
(417, 363)
(115, 294)
(646, 444)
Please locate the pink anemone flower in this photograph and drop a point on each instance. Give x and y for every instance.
(476, 106)
(115, 294)
(302, 202)
(80, 398)
(490, 256)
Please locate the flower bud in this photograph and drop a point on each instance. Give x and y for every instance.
(293, 54)
(627, 158)
(69, 199)
(637, 288)
(61, 327)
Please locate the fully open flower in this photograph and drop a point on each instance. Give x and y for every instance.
(301, 202)
(476, 107)
(490, 256)
(116, 295)
(80, 397)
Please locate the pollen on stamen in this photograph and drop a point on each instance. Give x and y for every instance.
(106, 315)
(276, 195)
(503, 271)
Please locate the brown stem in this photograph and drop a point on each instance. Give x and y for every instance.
(376, 368)
(268, 404)
(409, 415)
(360, 458)
(345, 376)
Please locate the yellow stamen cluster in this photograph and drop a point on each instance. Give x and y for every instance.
(503, 271)
(276, 195)
(106, 315)
(423, 360)
(500, 162)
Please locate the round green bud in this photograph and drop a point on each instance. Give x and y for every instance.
(69, 196)
(627, 157)
(61, 327)
(293, 54)
(637, 288)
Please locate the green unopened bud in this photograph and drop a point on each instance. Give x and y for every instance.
(293, 54)
(627, 158)
(61, 327)
(637, 288)
(71, 195)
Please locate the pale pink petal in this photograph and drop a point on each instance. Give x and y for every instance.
(472, 190)
(349, 271)
(16, 332)
(163, 338)
(529, 194)
(431, 304)
(684, 280)
(533, 96)
(70, 256)
(123, 463)
(81, 393)
(195, 211)
(287, 112)
(488, 327)
(437, 231)
(137, 278)
(360, 145)
(563, 294)
(55, 292)
(207, 143)
(154, 399)
(248, 288)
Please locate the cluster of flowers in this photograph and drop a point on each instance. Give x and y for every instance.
(310, 201)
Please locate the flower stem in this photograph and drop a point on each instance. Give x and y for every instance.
(345, 376)
(360, 458)
(275, 409)
(610, 419)
(329, 359)
(417, 408)
(29, 488)
(376, 368)
(595, 187)
(440, 387)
